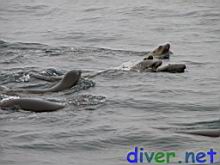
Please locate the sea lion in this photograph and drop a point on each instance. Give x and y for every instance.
(172, 68)
(69, 80)
(30, 104)
(161, 52)
(208, 133)
(147, 65)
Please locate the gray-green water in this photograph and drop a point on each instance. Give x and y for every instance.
(143, 109)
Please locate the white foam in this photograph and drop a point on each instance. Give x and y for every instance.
(9, 98)
(127, 65)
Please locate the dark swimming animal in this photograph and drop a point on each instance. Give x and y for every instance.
(208, 133)
(149, 64)
(161, 52)
(31, 104)
(69, 80)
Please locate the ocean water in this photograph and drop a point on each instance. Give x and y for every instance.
(101, 123)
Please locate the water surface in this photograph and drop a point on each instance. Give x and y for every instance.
(143, 109)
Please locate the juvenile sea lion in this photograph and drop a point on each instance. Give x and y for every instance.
(30, 104)
(69, 80)
(161, 52)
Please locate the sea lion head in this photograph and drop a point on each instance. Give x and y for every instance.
(162, 51)
(72, 77)
(9, 103)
